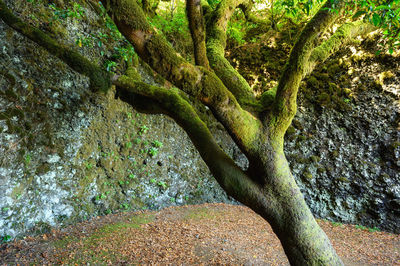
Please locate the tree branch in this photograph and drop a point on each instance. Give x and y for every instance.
(195, 81)
(196, 26)
(216, 43)
(343, 35)
(231, 178)
(262, 24)
(284, 106)
(99, 79)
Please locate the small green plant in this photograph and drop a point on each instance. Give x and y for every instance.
(157, 144)
(373, 229)
(84, 41)
(125, 53)
(131, 176)
(108, 211)
(5, 239)
(143, 129)
(153, 151)
(122, 182)
(153, 181)
(5, 209)
(162, 184)
(361, 227)
(336, 224)
(75, 12)
(28, 159)
(137, 141)
(129, 144)
(125, 206)
(172, 200)
(100, 197)
(110, 65)
(88, 165)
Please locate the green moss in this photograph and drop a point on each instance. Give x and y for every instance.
(301, 138)
(324, 98)
(321, 170)
(334, 69)
(200, 213)
(42, 169)
(268, 97)
(307, 175)
(300, 159)
(335, 154)
(290, 131)
(297, 124)
(343, 179)
(395, 144)
(313, 82)
(99, 79)
(315, 159)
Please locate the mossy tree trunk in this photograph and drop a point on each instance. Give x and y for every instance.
(267, 186)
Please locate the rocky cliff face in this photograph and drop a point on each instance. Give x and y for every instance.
(67, 155)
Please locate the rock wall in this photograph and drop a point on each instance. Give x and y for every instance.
(67, 155)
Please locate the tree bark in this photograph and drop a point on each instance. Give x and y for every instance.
(303, 241)
(217, 23)
(197, 30)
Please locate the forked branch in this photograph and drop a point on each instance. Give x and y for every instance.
(195, 81)
(231, 178)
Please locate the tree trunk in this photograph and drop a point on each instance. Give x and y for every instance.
(303, 241)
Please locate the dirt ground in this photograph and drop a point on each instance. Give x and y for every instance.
(209, 234)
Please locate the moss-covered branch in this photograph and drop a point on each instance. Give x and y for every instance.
(262, 24)
(197, 30)
(99, 79)
(216, 42)
(342, 35)
(284, 106)
(231, 178)
(196, 81)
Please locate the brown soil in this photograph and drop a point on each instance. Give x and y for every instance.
(201, 234)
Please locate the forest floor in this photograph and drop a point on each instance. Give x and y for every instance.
(199, 234)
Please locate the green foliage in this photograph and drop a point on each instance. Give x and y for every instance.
(157, 144)
(336, 224)
(236, 31)
(75, 11)
(382, 14)
(178, 23)
(28, 159)
(297, 10)
(5, 239)
(162, 184)
(153, 151)
(213, 3)
(143, 130)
